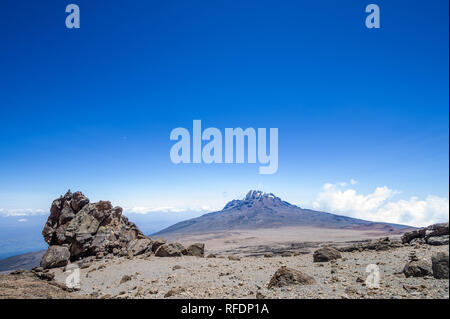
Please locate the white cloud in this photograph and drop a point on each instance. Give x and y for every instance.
(165, 209)
(380, 206)
(22, 220)
(353, 181)
(22, 212)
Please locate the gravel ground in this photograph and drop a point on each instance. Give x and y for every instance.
(193, 277)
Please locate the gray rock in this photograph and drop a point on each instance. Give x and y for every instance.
(408, 236)
(417, 241)
(197, 249)
(326, 254)
(139, 246)
(56, 256)
(427, 232)
(417, 268)
(440, 265)
(170, 250)
(156, 243)
(437, 230)
(437, 240)
(285, 276)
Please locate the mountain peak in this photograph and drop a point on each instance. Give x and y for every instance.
(265, 210)
(256, 197)
(255, 194)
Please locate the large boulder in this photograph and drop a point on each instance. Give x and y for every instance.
(56, 256)
(197, 249)
(417, 268)
(433, 234)
(440, 265)
(139, 246)
(326, 254)
(408, 236)
(88, 229)
(437, 230)
(171, 250)
(156, 243)
(285, 276)
(437, 240)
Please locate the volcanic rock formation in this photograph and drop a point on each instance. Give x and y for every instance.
(88, 228)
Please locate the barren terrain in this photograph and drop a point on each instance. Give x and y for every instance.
(220, 277)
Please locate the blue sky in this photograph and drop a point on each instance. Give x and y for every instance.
(91, 109)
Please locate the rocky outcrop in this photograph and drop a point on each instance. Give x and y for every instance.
(88, 229)
(171, 250)
(56, 256)
(326, 254)
(436, 234)
(417, 267)
(139, 246)
(197, 249)
(440, 265)
(156, 243)
(285, 276)
(380, 244)
(437, 240)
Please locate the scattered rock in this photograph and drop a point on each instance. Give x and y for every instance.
(29, 285)
(197, 249)
(45, 276)
(139, 246)
(156, 243)
(440, 265)
(433, 231)
(268, 255)
(153, 291)
(173, 292)
(326, 254)
(125, 278)
(259, 295)
(56, 256)
(234, 258)
(408, 236)
(381, 244)
(437, 240)
(170, 250)
(417, 268)
(285, 276)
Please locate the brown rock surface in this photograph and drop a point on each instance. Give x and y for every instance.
(326, 254)
(88, 229)
(287, 276)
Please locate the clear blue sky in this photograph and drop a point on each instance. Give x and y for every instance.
(92, 109)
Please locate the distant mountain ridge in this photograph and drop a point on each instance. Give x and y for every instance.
(265, 210)
(24, 261)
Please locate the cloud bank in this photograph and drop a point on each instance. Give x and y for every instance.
(22, 212)
(166, 209)
(380, 205)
